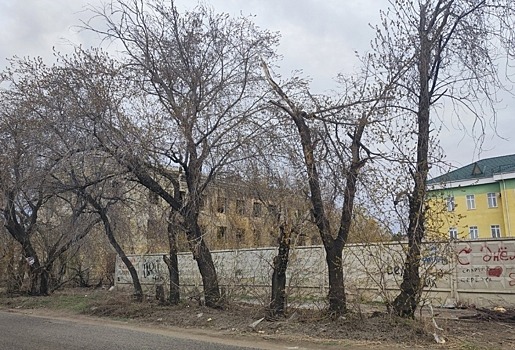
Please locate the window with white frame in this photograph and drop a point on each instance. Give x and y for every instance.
(492, 200)
(453, 233)
(473, 232)
(450, 203)
(471, 201)
(496, 231)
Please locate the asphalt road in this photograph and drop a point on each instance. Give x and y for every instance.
(27, 332)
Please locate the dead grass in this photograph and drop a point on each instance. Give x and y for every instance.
(312, 325)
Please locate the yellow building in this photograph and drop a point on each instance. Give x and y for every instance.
(239, 214)
(234, 214)
(476, 201)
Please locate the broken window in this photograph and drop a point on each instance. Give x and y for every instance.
(256, 209)
(221, 232)
(222, 205)
(240, 207)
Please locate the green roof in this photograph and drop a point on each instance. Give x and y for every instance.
(482, 169)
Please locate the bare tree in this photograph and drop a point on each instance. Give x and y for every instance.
(103, 188)
(30, 159)
(451, 49)
(88, 170)
(200, 86)
(320, 133)
(101, 207)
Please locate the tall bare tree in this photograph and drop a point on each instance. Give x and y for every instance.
(200, 91)
(84, 86)
(31, 157)
(451, 49)
(321, 133)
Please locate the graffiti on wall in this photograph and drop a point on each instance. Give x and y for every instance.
(472, 266)
(153, 269)
(150, 269)
(485, 264)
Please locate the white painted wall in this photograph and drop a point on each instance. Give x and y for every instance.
(469, 272)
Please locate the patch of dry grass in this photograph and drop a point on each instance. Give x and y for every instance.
(313, 325)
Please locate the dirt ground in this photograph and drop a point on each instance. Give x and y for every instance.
(368, 327)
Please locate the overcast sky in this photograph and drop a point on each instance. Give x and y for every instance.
(319, 37)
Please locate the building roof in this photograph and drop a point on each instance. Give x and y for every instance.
(482, 169)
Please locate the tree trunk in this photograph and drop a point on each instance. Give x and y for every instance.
(174, 295)
(207, 270)
(333, 256)
(406, 302)
(38, 274)
(15, 270)
(171, 261)
(160, 294)
(337, 299)
(138, 291)
(333, 247)
(201, 254)
(411, 287)
(277, 305)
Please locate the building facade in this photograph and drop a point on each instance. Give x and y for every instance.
(476, 201)
(234, 214)
(238, 214)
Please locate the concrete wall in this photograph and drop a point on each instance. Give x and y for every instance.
(478, 272)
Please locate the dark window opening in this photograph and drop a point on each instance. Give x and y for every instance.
(222, 205)
(256, 209)
(273, 210)
(240, 207)
(221, 232)
(240, 236)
